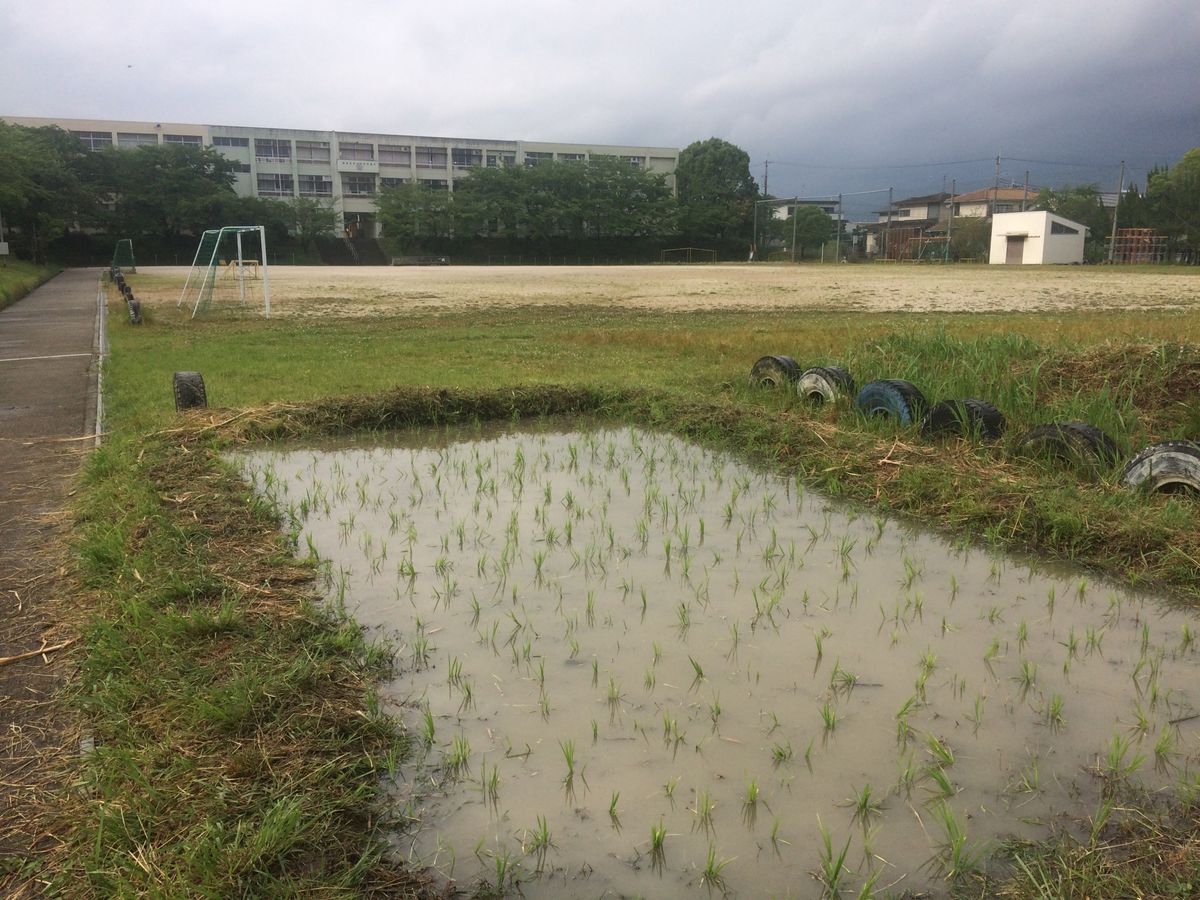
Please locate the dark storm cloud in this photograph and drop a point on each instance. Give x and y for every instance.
(842, 96)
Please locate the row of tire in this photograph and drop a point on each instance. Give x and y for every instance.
(117, 277)
(1168, 466)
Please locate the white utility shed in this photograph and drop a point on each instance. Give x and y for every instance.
(1036, 238)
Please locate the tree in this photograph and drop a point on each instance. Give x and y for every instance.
(170, 189)
(412, 213)
(1082, 204)
(1174, 195)
(45, 185)
(309, 218)
(716, 191)
(812, 227)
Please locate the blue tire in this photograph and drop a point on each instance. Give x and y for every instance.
(892, 398)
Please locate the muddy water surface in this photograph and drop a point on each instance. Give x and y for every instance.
(609, 633)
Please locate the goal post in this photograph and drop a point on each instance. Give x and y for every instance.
(201, 280)
(122, 257)
(687, 255)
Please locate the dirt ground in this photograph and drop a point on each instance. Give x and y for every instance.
(304, 291)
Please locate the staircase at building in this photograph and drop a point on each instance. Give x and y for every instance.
(368, 252)
(346, 251)
(352, 252)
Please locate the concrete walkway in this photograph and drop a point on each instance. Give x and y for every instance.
(49, 359)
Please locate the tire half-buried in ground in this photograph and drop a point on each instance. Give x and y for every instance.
(822, 385)
(966, 418)
(1169, 467)
(189, 391)
(1070, 442)
(892, 398)
(773, 371)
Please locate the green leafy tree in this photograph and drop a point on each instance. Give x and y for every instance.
(309, 218)
(170, 189)
(716, 191)
(46, 180)
(970, 237)
(1081, 204)
(812, 227)
(1174, 196)
(413, 213)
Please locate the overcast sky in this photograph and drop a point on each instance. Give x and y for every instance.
(838, 96)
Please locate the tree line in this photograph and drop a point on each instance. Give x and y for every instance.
(51, 186)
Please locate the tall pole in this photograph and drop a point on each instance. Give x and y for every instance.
(754, 240)
(1112, 240)
(950, 220)
(766, 175)
(795, 209)
(1025, 196)
(266, 272)
(996, 187)
(887, 234)
(839, 229)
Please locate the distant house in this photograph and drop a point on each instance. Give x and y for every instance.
(987, 202)
(905, 221)
(1036, 238)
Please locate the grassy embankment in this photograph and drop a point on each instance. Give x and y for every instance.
(19, 278)
(238, 747)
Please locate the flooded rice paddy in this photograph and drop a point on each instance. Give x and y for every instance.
(639, 667)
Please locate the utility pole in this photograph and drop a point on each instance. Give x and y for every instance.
(766, 175)
(839, 229)
(1025, 196)
(950, 219)
(996, 186)
(1112, 240)
(795, 209)
(887, 234)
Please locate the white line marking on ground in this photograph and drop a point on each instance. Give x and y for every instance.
(36, 358)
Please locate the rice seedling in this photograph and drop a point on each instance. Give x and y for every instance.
(842, 681)
(489, 782)
(864, 807)
(776, 824)
(1164, 747)
(833, 866)
(468, 695)
(658, 841)
(538, 842)
(781, 753)
(1054, 712)
(427, 726)
(1026, 678)
(956, 856)
(459, 756)
(711, 876)
(703, 811)
(1118, 762)
(829, 716)
(940, 752)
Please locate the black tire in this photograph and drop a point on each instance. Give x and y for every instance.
(189, 391)
(1170, 467)
(135, 311)
(965, 418)
(773, 371)
(1070, 442)
(825, 384)
(892, 398)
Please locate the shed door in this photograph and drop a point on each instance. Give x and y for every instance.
(1015, 252)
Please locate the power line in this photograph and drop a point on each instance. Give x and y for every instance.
(932, 165)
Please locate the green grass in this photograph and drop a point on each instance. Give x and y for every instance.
(239, 744)
(19, 278)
